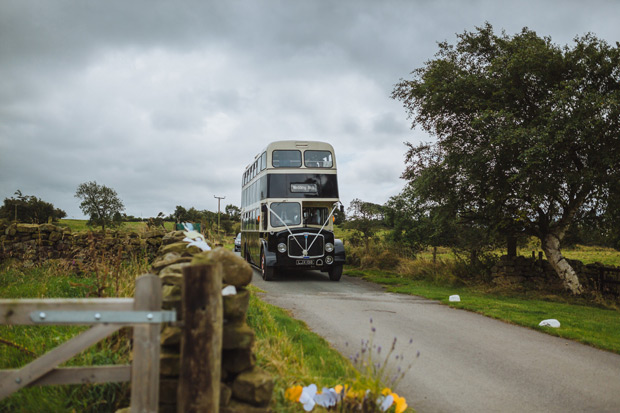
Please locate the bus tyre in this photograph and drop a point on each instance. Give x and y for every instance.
(266, 272)
(335, 273)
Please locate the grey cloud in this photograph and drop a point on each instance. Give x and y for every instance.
(167, 102)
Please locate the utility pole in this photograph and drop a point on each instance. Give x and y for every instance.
(219, 198)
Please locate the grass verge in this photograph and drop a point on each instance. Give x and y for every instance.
(580, 321)
(293, 354)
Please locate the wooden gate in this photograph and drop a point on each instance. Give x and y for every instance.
(107, 315)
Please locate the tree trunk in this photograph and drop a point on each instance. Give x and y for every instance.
(551, 246)
(473, 256)
(512, 245)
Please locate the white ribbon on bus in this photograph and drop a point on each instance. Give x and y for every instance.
(295, 238)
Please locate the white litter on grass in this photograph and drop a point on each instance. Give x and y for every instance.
(552, 322)
(194, 238)
(200, 243)
(229, 290)
(455, 298)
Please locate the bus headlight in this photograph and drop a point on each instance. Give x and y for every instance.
(329, 247)
(282, 247)
(329, 259)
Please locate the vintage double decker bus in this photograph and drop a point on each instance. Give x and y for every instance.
(288, 199)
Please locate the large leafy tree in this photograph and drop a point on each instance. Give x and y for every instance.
(528, 133)
(233, 212)
(180, 214)
(101, 204)
(366, 218)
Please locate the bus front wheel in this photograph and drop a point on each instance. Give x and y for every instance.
(335, 273)
(266, 272)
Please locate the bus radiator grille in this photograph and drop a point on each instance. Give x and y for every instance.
(314, 248)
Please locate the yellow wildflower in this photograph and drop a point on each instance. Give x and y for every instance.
(293, 393)
(400, 402)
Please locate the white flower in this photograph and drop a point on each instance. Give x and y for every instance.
(385, 402)
(327, 398)
(307, 397)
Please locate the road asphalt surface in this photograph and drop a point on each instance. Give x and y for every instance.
(467, 362)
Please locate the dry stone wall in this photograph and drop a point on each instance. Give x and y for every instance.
(245, 388)
(33, 242)
(523, 272)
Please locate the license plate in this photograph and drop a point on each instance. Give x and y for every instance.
(305, 262)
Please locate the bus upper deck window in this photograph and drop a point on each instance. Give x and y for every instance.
(263, 161)
(318, 159)
(286, 159)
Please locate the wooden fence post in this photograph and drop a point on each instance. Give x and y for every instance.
(145, 365)
(201, 341)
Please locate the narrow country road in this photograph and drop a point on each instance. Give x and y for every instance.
(467, 363)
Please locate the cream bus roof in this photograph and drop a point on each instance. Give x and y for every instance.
(301, 145)
(297, 145)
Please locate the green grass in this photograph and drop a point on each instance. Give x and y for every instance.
(585, 254)
(80, 225)
(580, 321)
(591, 255)
(22, 344)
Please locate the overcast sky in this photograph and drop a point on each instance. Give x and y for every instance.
(167, 101)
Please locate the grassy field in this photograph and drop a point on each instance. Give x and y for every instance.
(79, 225)
(591, 255)
(583, 253)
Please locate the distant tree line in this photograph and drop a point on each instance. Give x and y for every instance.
(105, 209)
(29, 209)
(230, 218)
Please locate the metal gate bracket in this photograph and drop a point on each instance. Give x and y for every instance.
(106, 317)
